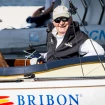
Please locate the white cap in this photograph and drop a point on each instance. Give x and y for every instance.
(60, 11)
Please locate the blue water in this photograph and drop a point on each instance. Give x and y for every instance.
(22, 2)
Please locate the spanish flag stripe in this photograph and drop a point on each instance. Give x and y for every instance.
(7, 103)
(4, 100)
(2, 97)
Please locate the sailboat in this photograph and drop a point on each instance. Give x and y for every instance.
(72, 81)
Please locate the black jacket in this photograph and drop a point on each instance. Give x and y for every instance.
(69, 47)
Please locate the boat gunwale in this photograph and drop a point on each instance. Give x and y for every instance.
(32, 69)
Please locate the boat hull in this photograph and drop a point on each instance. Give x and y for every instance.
(62, 92)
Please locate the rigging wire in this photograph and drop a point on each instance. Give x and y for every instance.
(73, 10)
(30, 54)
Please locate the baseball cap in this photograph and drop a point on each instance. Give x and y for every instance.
(60, 11)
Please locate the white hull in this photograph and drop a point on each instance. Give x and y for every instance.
(56, 83)
(62, 92)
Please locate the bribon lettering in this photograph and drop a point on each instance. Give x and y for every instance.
(60, 99)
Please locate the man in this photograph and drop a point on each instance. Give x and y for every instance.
(67, 40)
(43, 14)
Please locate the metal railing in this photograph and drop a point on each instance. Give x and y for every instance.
(102, 13)
(86, 10)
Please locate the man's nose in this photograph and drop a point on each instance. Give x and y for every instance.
(61, 22)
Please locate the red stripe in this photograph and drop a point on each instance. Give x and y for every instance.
(7, 103)
(1, 97)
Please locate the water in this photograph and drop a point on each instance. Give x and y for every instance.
(22, 2)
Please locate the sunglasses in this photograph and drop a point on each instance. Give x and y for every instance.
(64, 19)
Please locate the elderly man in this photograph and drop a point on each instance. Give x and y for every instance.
(67, 40)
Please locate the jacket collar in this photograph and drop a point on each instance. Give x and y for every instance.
(73, 28)
(72, 31)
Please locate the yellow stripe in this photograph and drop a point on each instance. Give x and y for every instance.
(3, 100)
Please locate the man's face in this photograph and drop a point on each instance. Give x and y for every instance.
(62, 24)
